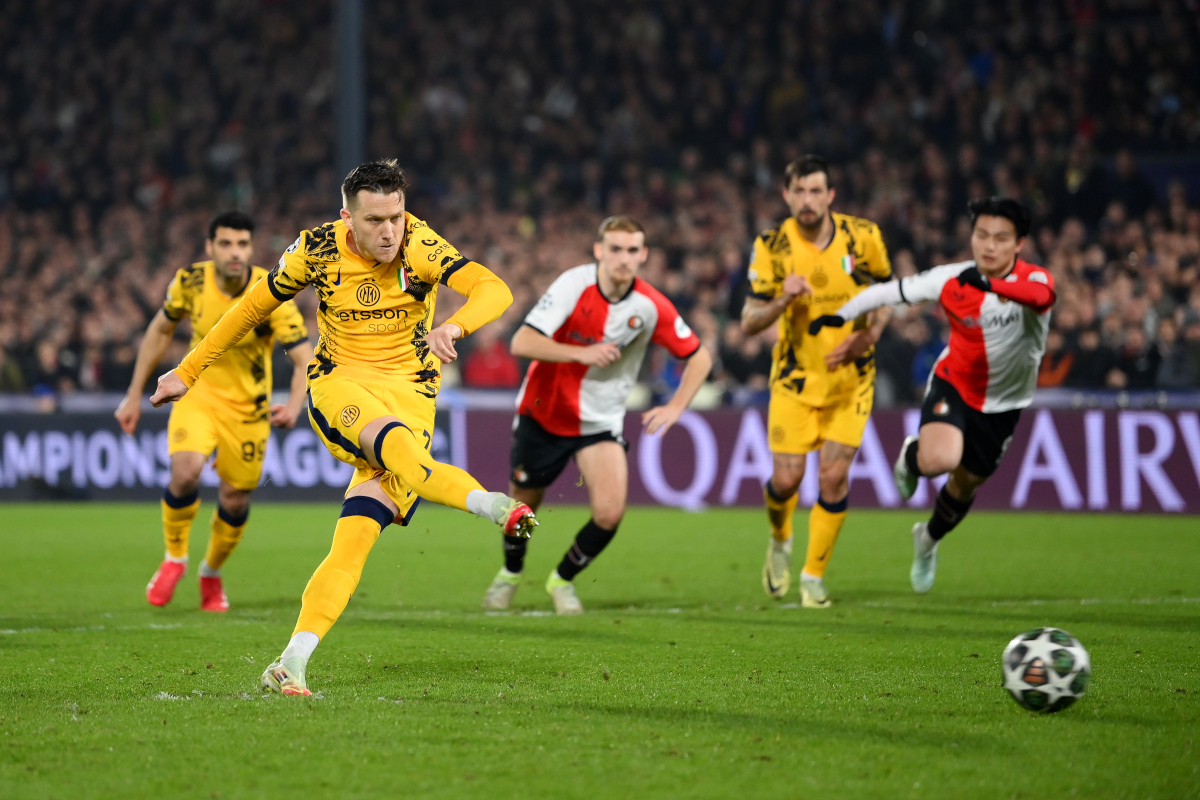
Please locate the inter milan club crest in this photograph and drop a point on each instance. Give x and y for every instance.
(941, 408)
(349, 415)
(368, 294)
(818, 279)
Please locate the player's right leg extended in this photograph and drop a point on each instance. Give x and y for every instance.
(180, 504)
(780, 495)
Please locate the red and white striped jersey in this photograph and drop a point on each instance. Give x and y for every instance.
(997, 338)
(570, 399)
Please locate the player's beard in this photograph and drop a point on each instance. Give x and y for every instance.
(813, 229)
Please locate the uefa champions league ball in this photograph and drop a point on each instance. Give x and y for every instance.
(1046, 669)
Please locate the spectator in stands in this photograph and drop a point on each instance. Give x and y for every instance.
(490, 364)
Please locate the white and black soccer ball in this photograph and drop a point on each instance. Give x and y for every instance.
(1046, 669)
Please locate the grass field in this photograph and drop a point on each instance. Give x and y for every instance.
(683, 680)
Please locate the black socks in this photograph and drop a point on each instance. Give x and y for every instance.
(514, 553)
(947, 512)
(589, 543)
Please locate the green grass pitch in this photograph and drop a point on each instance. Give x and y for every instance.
(682, 680)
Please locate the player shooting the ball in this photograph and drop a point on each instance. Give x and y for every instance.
(374, 381)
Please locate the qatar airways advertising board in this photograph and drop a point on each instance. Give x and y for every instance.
(1122, 461)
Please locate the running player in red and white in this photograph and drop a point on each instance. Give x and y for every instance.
(587, 337)
(999, 312)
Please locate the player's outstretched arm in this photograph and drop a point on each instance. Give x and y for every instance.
(487, 298)
(285, 415)
(254, 307)
(659, 420)
(529, 342)
(154, 344)
(1036, 291)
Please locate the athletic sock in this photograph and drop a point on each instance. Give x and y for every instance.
(177, 516)
(824, 524)
(227, 531)
(208, 572)
(589, 543)
(910, 456)
(331, 586)
(779, 512)
(948, 511)
(514, 553)
(489, 505)
(302, 645)
(397, 449)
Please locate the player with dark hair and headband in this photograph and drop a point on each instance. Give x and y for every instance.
(373, 383)
(587, 337)
(999, 312)
(228, 410)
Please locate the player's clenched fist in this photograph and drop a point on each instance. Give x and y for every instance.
(170, 388)
(598, 355)
(441, 342)
(795, 286)
(128, 413)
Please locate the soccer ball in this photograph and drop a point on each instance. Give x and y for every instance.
(1046, 669)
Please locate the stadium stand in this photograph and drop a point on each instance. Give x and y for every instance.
(523, 128)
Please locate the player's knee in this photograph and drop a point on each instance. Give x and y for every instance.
(236, 503)
(784, 484)
(833, 480)
(933, 462)
(608, 518)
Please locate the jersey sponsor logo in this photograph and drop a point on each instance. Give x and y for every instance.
(376, 313)
(994, 321)
(681, 328)
(368, 294)
(348, 416)
(441, 248)
(1038, 277)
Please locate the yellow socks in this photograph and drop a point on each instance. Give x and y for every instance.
(824, 524)
(227, 531)
(177, 516)
(330, 587)
(397, 449)
(779, 512)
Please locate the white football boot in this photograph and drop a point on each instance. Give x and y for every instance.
(906, 481)
(812, 592)
(562, 592)
(286, 676)
(924, 566)
(499, 595)
(777, 571)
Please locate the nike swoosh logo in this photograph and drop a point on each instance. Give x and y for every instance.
(338, 282)
(824, 556)
(771, 586)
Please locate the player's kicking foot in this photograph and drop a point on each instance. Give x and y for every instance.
(499, 595)
(562, 592)
(777, 572)
(286, 677)
(212, 595)
(906, 481)
(812, 592)
(161, 588)
(924, 566)
(519, 520)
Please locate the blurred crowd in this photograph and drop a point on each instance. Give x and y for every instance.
(124, 125)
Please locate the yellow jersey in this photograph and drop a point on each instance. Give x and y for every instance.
(855, 258)
(241, 377)
(370, 314)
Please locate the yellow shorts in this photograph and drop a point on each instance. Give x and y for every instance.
(794, 427)
(202, 422)
(344, 401)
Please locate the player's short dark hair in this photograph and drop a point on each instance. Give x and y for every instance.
(382, 176)
(806, 165)
(238, 220)
(619, 223)
(1013, 211)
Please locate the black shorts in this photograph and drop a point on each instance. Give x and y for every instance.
(985, 436)
(538, 457)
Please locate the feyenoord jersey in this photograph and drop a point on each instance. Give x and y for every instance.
(570, 399)
(996, 344)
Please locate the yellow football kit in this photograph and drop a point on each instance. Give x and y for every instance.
(227, 409)
(372, 359)
(811, 404)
